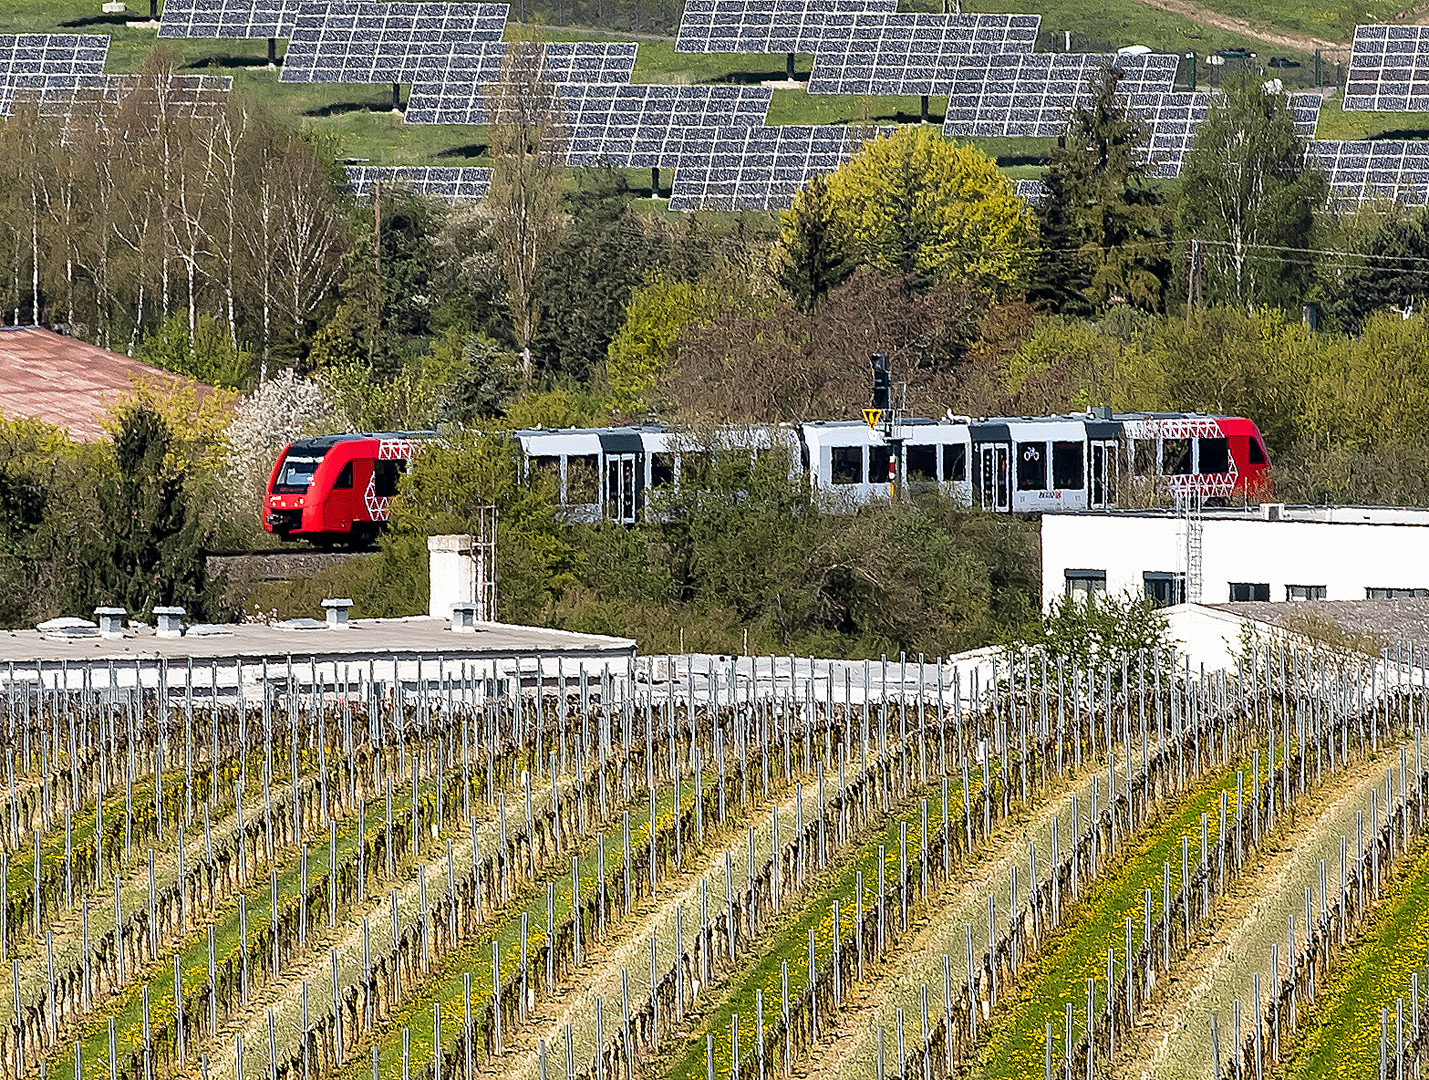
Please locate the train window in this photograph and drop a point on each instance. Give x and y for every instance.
(1245, 591)
(878, 459)
(846, 464)
(1143, 457)
(581, 486)
(543, 465)
(296, 473)
(344, 478)
(955, 462)
(922, 464)
(384, 477)
(662, 470)
(1215, 455)
(1256, 455)
(1067, 465)
(1032, 466)
(695, 467)
(1176, 457)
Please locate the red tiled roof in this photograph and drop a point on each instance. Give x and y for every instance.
(63, 381)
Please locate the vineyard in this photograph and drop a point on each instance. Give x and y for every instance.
(718, 869)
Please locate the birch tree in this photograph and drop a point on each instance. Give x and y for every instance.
(527, 151)
(1249, 199)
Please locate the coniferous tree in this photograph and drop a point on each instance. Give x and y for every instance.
(811, 258)
(1395, 273)
(1101, 224)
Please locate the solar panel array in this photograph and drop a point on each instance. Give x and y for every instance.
(365, 41)
(763, 26)
(1360, 171)
(184, 96)
(1030, 191)
(904, 53)
(1172, 120)
(454, 184)
(454, 89)
(1389, 69)
(1031, 94)
(238, 19)
(653, 126)
(760, 168)
(59, 59)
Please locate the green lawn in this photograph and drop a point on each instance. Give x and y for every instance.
(1342, 1038)
(1015, 1044)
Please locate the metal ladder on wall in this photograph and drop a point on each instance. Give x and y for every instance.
(1190, 507)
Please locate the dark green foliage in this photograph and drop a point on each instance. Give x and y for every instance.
(812, 258)
(485, 383)
(148, 547)
(1395, 273)
(1100, 630)
(605, 254)
(1101, 225)
(1247, 195)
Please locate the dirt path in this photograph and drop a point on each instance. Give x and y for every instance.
(852, 1051)
(1256, 31)
(1171, 1040)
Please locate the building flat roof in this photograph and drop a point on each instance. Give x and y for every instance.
(363, 639)
(1314, 515)
(63, 381)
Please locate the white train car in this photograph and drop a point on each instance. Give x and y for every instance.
(1032, 464)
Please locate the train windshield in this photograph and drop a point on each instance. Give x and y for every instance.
(295, 474)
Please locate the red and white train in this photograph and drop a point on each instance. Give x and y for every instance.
(336, 489)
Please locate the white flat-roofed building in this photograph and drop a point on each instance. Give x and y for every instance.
(1261, 553)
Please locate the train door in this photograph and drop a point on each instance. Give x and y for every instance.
(1102, 489)
(994, 490)
(620, 488)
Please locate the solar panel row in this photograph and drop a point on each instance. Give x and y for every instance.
(1389, 69)
(455, 184)
(763, 26)
(909, 54)
(237, 19)
(366, 41)
(1362, 171)
(1030, 94)
(455, 88)
(26, 58)
(760, 168)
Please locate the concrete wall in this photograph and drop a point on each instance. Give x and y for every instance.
(1346, 558)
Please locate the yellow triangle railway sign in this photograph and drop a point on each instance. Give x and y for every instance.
(871, 417)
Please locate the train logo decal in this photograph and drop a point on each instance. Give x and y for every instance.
(378, 506)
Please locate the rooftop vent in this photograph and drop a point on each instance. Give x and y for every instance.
(111, 621)
(337, 610)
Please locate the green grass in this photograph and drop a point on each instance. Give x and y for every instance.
(788, 940)
(1014, 1046)
(1335, 123)
(1342, 1039)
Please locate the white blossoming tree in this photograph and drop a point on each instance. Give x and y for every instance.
(282, 409)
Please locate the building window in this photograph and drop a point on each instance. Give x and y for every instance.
(922, 464)
(1245, 591)
(1067, 466)
(955, 462)
(1032, 466)
(1304, 592)
(1082, 583)
(846, 464)
(1164, 589)
(878, 460)
(1395, 594)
